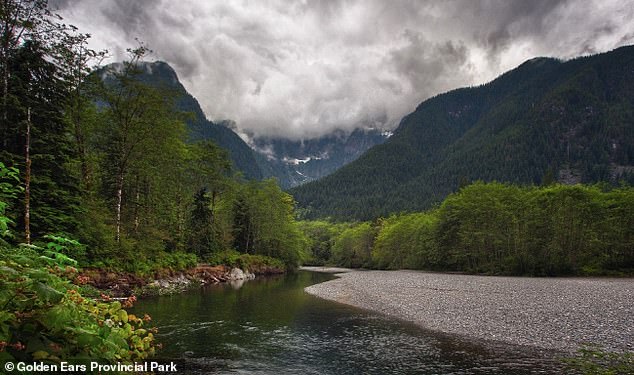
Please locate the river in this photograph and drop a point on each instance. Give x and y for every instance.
(271, 326)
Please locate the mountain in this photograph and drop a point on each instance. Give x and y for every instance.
(162, 75)
(296, 162)
(571, 121)
(290, 162)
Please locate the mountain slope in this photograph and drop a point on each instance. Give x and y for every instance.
(572, 120)
(296, 162)
(162, 75)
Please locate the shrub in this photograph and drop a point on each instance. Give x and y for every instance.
(44, 317)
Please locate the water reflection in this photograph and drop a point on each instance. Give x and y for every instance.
(236, 284)
(272, 326)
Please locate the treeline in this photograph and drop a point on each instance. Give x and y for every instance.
(494, 228)
(104, 158)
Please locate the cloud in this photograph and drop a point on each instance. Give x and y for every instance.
(302, 69)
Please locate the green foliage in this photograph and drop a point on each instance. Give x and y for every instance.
(554, 230)
(202, 237)
(321, 238)
(178, 261)
(353, 247)
(497, 229)
(110, 166)
(407, 241)
(156, 264)
(9, 178)
(594, 360)
(264, 223)
(145, 193)
(62, 246)
(34, 96)
(44, 317)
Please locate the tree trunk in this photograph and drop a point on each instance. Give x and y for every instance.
(81, 151)
(137, 204)
(27, 180)
(248, 237)
(120, 180)
(5, 96)
(212, 215)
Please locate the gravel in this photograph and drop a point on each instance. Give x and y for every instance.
(548, 313)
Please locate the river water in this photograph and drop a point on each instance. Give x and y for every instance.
(271, 326)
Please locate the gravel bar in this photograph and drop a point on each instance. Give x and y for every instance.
(548, 313)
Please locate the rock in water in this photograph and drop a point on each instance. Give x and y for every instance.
(236, 274)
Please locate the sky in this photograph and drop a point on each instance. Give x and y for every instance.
(302, 69)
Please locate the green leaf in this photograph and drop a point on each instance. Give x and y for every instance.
(57, 318)
(123, 316)
(88, 339)
(8, 271)
(40, 354)
(118, 341)
(47, 293)
(39, 275)
(6, 357)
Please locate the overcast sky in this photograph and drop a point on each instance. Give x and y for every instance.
(300, 69)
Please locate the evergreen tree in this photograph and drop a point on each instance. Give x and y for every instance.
(201, 236)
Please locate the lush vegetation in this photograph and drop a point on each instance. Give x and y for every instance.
(495, 229)
(546, 120)
(100, 166)
(44, 316)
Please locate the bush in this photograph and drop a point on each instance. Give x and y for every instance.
(45, 318)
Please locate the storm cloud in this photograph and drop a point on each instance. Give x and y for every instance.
(301, 69)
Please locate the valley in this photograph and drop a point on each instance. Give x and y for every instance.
(179, 204)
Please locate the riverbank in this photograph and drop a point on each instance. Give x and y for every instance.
(547, 313)
(124, 284)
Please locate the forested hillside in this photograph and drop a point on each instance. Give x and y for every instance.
(544, 121)
(160, 75)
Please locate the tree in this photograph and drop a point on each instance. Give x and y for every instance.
(264, 223)
(139, 123)
(77, 62)
(36, 125)
(353, 247)
(34, 136)
(20, 22)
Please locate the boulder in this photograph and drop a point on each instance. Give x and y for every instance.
(236, 274)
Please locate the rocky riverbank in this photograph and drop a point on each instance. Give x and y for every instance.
(547, 313)
(120, 285)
